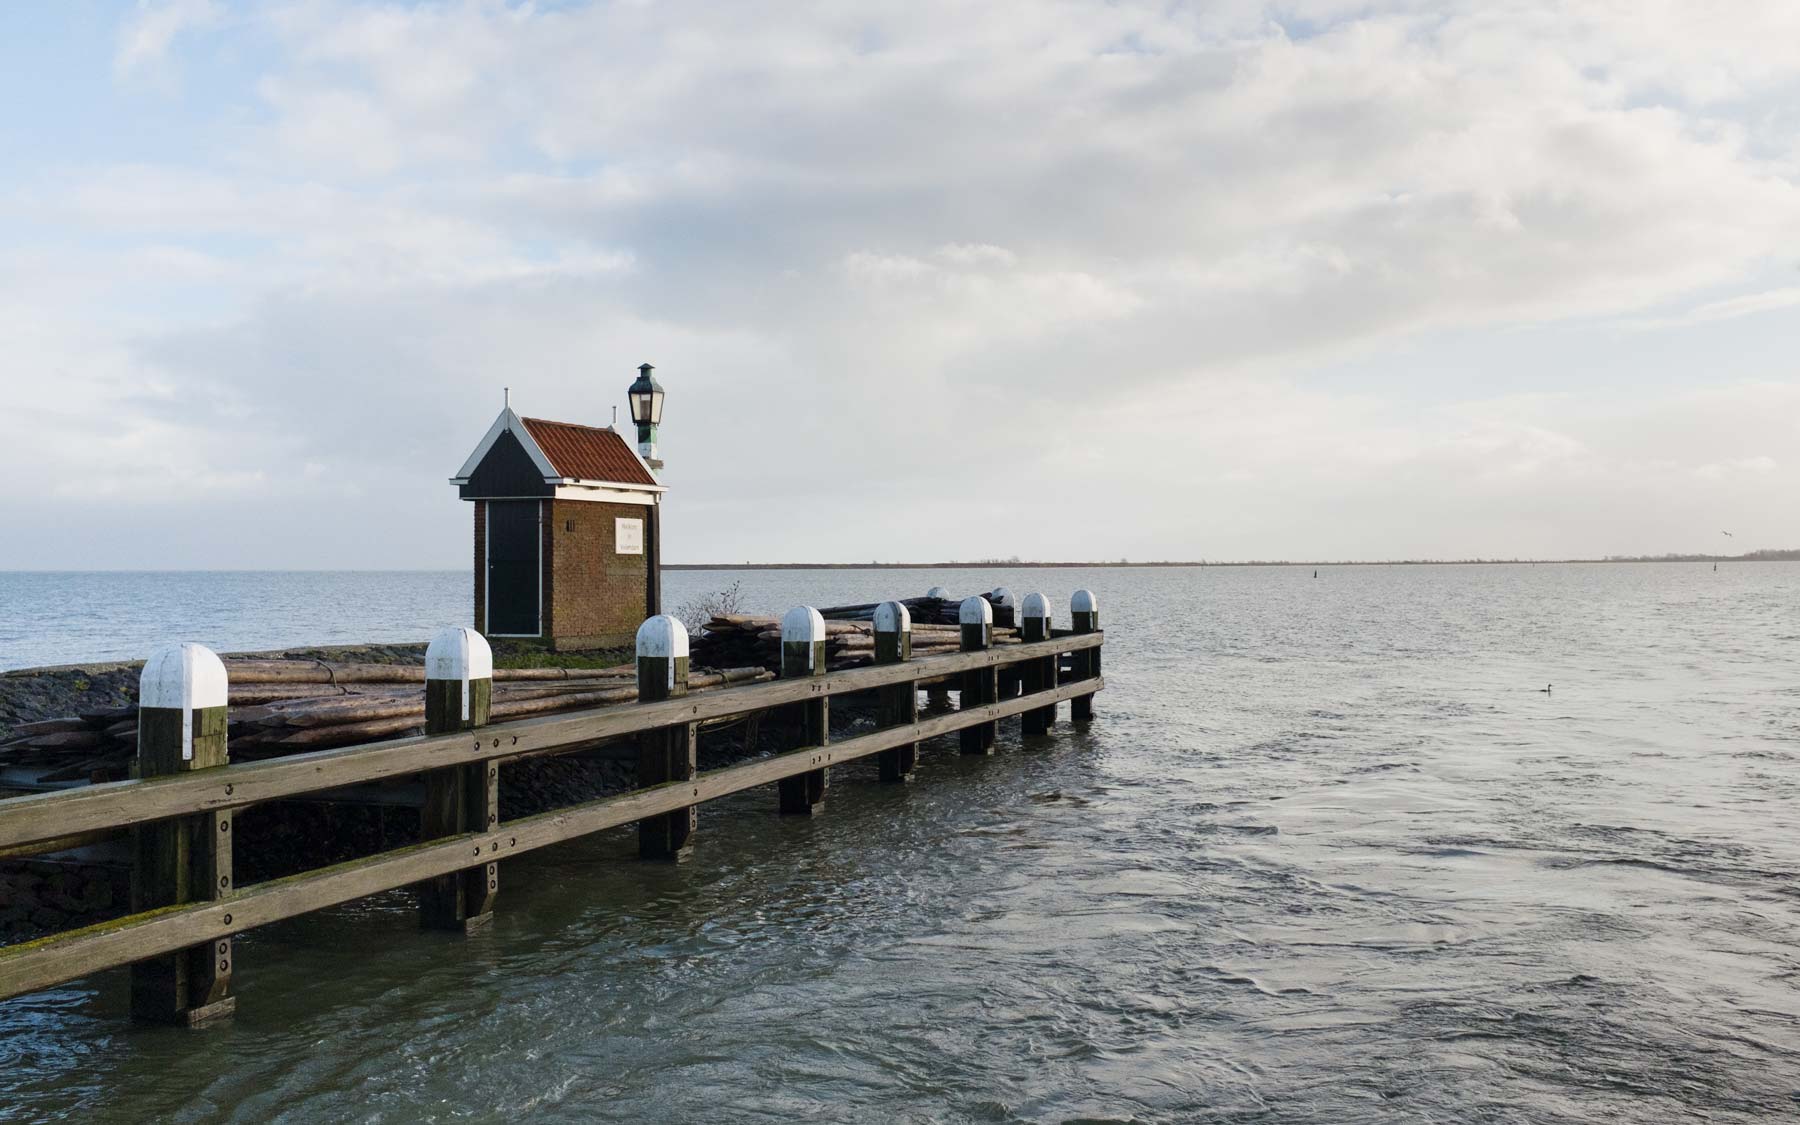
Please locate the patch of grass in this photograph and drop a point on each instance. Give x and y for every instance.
(523, 654)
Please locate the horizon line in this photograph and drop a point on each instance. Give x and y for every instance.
(1763, 555)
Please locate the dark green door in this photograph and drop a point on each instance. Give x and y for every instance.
(513, 577)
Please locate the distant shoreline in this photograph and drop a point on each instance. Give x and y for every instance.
(1019, 564)
(978, 564)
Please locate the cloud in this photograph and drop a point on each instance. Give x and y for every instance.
(145, 39)
(1148, 251)
(1747, 304)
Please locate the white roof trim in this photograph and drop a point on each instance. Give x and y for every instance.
(505, 423)
(622, 486)
(511, 422)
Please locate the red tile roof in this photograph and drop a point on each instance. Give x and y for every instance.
(587, 453)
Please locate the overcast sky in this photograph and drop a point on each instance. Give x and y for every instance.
(924, 280)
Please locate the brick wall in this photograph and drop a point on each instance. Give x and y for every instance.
(594, 596)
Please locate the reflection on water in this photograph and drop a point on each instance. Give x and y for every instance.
(1326, 855)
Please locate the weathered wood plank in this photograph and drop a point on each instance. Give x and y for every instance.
(118, 804)
(54, 960)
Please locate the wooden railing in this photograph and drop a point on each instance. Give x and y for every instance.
(182, 950)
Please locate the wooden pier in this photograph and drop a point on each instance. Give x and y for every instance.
(187, 908)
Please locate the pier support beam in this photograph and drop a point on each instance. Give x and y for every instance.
(1038, 675)
(182, 727)
(459, 691)
(1006, 616)
(896, 704)
(938, 695)
(669, 753)
(803, 656)
(1084, 617)
(980, 686)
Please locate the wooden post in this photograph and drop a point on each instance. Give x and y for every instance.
(181, 727)
(938, 695)
(459, 690)
(980, 685)
(1038, 675)
(667, 754)
(803, 655)
(1084, 617)
(897, 704)
(1006, 615)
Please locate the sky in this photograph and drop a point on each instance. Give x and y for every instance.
(924, 280)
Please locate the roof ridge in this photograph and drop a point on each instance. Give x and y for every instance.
(571, 425)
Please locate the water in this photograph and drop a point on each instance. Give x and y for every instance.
(51, 617)
(1326, 855)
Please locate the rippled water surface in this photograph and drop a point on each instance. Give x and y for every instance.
(1325, 855)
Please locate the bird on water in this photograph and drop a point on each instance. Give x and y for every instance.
(1545, 689)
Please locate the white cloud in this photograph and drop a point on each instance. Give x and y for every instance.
(1163, 242)
(145, 38)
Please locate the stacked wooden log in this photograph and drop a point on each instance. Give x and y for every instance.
(291, 706)
(742, 638)
(924, 611)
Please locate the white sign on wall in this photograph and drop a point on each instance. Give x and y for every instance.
(628, 536)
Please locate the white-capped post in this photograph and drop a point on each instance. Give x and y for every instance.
(980, 686)
(459, 692)
(669, 753)
(896, 704)
(1006, 608)
(182, 726)
(1084, 617)
(937, 695)
(803, 656)
(459, 681)
(1040, 674)
(1006, 616)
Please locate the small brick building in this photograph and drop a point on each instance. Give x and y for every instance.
(567, 536)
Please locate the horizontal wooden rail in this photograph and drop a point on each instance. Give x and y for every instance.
(60, 958)
(119, 804)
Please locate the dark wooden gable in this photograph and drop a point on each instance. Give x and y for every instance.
(506, 471)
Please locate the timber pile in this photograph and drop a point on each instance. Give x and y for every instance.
(924, 611)
(292, 706)
(741, 638)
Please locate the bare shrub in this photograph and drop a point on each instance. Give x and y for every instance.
(696, 612)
